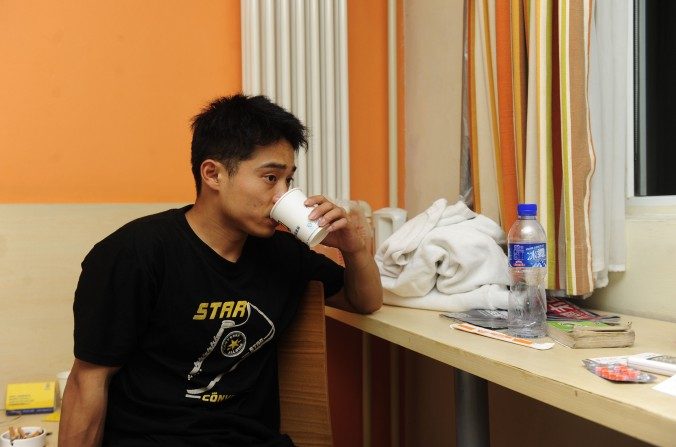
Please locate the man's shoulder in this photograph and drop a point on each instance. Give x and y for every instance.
(145, 231)
(152, 223)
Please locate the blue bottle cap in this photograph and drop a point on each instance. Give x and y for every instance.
(527, 209)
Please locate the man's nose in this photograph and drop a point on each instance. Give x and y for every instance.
(280, 190)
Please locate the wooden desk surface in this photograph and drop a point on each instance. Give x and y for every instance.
(556, 376)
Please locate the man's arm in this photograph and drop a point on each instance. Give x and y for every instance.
(83, 409)
(362, 291)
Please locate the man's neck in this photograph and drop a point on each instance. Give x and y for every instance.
(210, 227)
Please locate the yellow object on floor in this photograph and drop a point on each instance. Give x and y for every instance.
(53, 417)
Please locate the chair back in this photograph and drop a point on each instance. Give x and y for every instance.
(303, 380)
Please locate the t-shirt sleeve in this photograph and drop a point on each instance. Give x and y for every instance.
(321, 268)
(112, 303)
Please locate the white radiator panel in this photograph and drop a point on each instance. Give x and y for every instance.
(295, 52)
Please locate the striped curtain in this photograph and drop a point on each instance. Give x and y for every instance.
(526, 132)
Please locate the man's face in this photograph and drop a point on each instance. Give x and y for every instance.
(247, 196)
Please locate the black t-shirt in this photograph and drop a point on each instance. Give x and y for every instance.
(195, 335)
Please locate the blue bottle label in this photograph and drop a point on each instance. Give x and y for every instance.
(528, 255)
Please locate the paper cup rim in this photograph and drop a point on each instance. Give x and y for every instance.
(317, 236)
(280, 199)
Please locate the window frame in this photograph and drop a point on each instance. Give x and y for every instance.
(640, 206)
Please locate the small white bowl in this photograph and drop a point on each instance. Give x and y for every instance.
(36, 441)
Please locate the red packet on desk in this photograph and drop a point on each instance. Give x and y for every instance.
(501, 336)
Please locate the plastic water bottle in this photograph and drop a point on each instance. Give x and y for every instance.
(527, 254)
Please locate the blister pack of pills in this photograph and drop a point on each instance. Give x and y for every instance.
(618, 372)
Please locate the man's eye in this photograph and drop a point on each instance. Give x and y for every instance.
(271, 178)
(289, 181)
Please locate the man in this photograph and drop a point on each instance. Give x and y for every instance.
(177, 314)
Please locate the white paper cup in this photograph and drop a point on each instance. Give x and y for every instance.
(62, 378)
(292, 213)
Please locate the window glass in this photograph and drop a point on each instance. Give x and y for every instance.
(655, 97)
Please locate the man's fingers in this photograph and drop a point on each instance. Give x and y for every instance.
(315, 200)
(328, 214)
(338, 224)
(321, 210)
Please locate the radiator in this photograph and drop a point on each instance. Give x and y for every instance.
(295, 53)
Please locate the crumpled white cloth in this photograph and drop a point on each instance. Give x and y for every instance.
(447, 258)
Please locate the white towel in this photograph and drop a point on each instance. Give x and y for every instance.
(489, 296)
(445, 254)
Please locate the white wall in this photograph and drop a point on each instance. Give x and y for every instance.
(433, 80)
(648, 286)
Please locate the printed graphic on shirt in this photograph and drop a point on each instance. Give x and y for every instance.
(221, 309)
(244, 329)
(233, 344)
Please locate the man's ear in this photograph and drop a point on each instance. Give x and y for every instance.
(212, 173)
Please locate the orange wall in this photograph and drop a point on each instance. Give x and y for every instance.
(367, 50)
(401, 111)
(98, 95)
(367, 64)
(101, 95)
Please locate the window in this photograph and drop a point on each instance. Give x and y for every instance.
(655, 97)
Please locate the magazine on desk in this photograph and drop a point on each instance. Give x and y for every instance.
(562, 309)
(486, 318)
(558, 309)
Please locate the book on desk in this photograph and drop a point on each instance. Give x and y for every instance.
(591, 334)
(30, 398)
